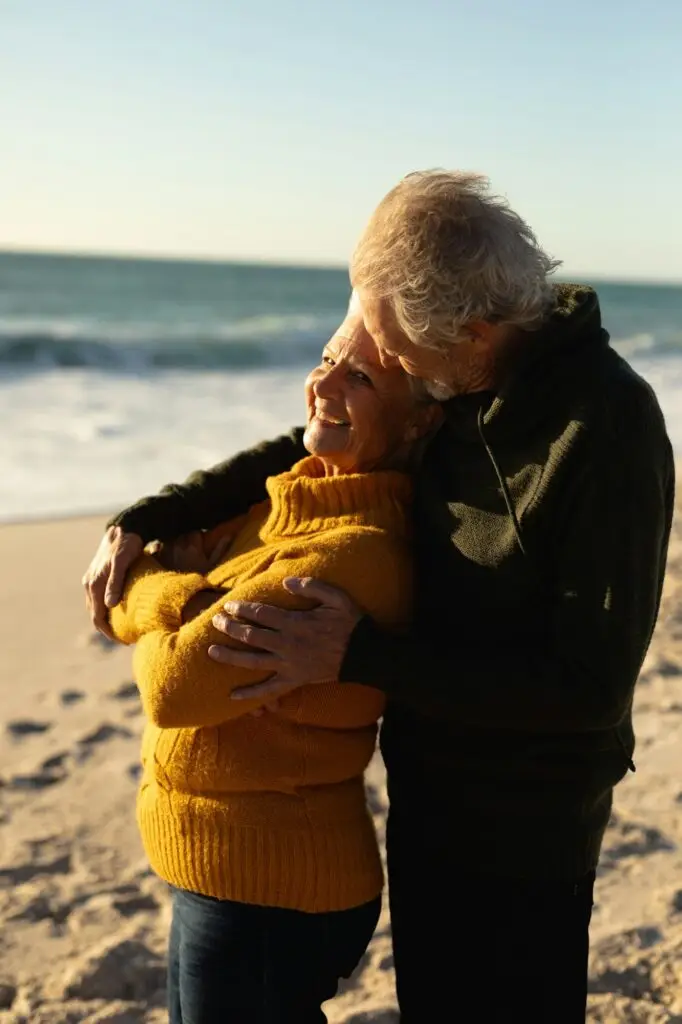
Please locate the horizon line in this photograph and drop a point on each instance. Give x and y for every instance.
(280, 264)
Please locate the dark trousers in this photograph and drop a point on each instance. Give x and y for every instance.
(232, 963)
(470, 947)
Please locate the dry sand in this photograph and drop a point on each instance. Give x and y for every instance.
(84, 921)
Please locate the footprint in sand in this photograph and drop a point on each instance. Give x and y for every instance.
(96, 639)
(34, 781)
(26, 727)
(101, 734)
(34, 867)
(121, 966)
(636, 840)
(8, 993)
(69, 697)
(126, 691)
(676, 902)
(38, 907)
(51, 771)
(667, 668)
(54, 769)
(129, 905)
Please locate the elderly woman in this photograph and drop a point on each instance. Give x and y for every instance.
(259, 824)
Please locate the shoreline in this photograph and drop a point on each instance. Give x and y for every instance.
(104, 514)
(46, 519)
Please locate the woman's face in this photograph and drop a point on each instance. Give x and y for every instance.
(361, 414)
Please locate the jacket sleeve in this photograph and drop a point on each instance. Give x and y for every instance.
(211, 496)
(182, 687)
(608, 554)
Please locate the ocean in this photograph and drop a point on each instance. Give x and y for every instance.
(120, 375)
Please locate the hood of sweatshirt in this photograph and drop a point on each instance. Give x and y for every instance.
(555, 361)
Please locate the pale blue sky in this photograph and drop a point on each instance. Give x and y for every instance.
(268, 129)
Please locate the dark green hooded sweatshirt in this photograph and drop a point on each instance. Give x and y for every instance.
(542, 516)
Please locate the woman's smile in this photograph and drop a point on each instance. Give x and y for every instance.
(328, 420)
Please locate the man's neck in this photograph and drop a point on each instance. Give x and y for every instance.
(487, 363)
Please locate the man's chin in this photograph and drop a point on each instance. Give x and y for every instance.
(441, 392)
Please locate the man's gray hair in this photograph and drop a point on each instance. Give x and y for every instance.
(443, 251)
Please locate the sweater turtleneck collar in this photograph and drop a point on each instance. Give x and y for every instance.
(305, 500)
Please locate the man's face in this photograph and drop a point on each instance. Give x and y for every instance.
(460, 368)
(427, 363)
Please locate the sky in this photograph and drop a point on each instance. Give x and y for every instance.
(268, 129)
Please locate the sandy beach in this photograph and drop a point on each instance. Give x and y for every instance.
(84, 921)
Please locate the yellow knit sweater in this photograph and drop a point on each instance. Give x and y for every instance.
(267, 810)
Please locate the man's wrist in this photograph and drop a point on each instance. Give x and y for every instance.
(357, 661)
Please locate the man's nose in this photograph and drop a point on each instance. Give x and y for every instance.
(387, 359)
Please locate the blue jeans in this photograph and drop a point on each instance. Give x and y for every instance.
(233, 963)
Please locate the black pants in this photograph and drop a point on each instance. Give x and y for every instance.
(494, 950)
(232, 963)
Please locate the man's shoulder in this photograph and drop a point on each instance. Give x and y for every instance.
(621, 403)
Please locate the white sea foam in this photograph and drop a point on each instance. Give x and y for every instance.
(87, 440)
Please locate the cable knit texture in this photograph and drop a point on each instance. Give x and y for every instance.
(267, 810)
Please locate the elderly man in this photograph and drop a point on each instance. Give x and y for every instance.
(542, 515)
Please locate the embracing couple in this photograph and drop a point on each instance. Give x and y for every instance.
(467, 540)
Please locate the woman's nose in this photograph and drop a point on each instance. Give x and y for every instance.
(327, 384)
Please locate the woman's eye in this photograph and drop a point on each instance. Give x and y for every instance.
(361, 377)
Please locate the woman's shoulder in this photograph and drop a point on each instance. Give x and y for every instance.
(353, 556)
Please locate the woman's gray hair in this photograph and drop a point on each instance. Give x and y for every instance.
(443, 251)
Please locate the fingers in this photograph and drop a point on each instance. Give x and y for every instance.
(263, 614)
(272, 688)
(267, 639)
(114, 586)
(318, 591)
(98, 607)
(259, 662)
(123, 556)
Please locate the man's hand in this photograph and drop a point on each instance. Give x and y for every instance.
(105, 576)
(299, 648)
(191, 552)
